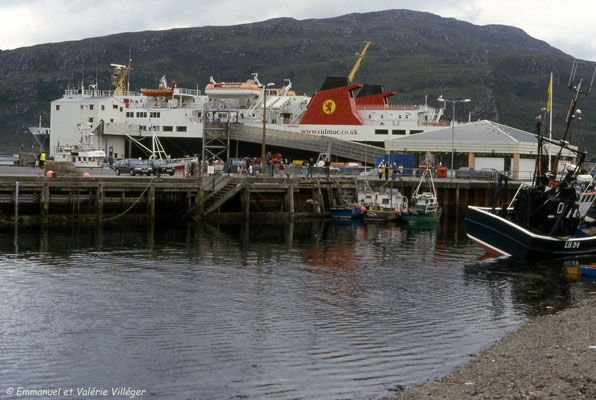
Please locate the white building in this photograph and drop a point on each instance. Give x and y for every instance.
(481, 144)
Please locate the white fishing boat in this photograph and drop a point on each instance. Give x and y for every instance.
(424, 205)
(385, 205)
(82, 155)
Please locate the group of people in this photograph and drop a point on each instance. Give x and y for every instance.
(39, 158)
(396, 170)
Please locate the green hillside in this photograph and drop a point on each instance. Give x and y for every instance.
(503, 70)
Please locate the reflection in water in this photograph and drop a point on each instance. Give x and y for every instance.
(315, 309)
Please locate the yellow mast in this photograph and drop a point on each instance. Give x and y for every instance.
(358, 62)
(119, 78)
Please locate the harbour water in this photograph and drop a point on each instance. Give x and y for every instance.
(311, 309)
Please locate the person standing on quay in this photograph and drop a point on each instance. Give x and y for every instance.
(42, 159)
(387, 171)
(380, 169)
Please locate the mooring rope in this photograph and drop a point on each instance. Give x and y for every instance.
(132, 205)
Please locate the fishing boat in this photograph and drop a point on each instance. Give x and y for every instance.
(588, 270)
(424, 206)
(346, 211)
(84, 154)
(547, 217)
(381, 206)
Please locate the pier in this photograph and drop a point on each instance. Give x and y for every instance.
(212, 197)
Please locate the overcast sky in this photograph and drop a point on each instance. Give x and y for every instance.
(567, 25)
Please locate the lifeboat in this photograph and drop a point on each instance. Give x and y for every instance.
(158, 92)
(232, 90)
(164, 89)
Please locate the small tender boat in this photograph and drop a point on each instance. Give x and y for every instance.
(582, 270)
(424, 206)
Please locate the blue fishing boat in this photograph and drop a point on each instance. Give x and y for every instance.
(347, 211)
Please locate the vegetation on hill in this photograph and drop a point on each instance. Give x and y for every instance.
(503, 70)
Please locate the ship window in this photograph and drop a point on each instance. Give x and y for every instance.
(141, 115)
(415, 131)
(115, 106)
(57, 107)
(90, 119)
(399, 132)
(120, 109)
(130, 115)
(91, 106)
(142, 128)
(381, 132)
(111, 119)
(103, 107)
(153, 114)
(82, 106)
(181, 129)
(168, 128)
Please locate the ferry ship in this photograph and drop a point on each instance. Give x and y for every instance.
(125, 119)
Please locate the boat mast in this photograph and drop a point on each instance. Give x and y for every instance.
(549, 107)
(577, 88)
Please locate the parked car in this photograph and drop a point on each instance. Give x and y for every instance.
(464, 172)
(133, 167)
(485, 173)
(159, 167)
(471, 173)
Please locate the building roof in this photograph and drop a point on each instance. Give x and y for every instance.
(474, 137)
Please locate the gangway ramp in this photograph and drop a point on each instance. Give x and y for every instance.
(318, 144)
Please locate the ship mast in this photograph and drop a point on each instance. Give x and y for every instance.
(119, 78)
(358, 62)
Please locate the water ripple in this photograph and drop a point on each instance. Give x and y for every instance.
(313, 310)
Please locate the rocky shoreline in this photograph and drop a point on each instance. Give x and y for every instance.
(552, 357)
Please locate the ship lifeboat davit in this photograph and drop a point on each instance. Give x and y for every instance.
(232, 90)
(164, 90)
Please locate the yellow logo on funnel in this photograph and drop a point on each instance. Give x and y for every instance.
(329, 107)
